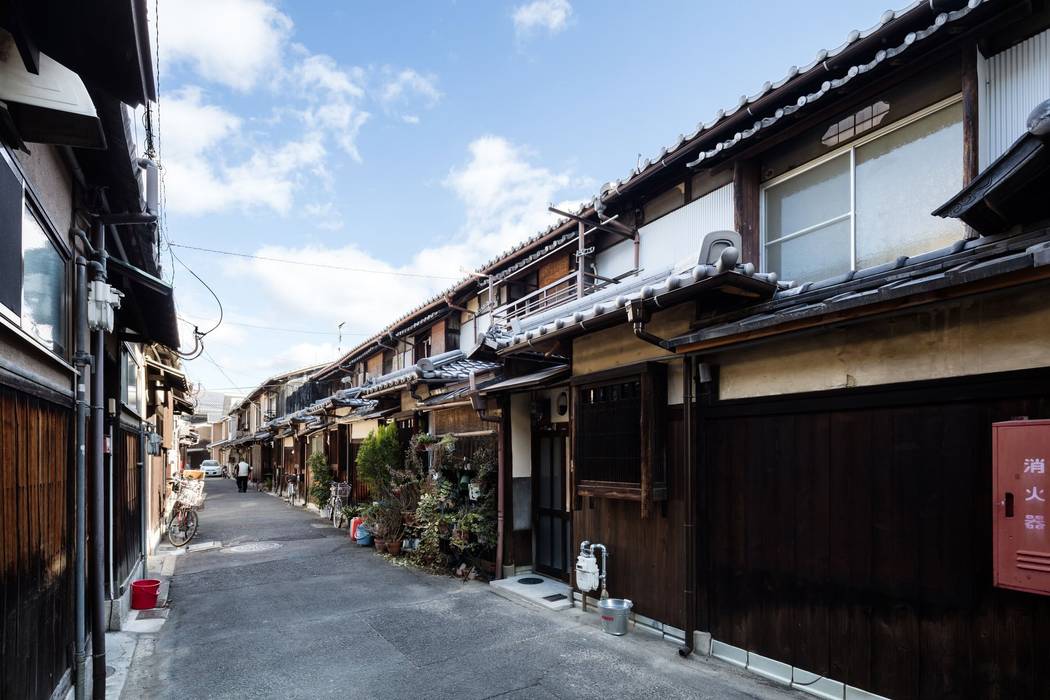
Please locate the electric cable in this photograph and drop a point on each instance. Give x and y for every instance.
(309, 264)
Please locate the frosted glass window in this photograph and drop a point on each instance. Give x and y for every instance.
(43, 285)
(869, 204)
(807, 223)
(901, 178)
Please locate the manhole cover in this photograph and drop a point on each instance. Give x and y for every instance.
(555, 596)
(530, 581)
(153, 614)
(250, 547)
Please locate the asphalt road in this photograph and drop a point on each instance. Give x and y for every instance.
(303, 613)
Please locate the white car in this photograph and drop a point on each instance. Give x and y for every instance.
(211, 467)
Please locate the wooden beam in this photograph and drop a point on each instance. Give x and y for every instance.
(746, 195)
(971, 130)
(609, 226)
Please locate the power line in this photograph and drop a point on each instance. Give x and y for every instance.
(217, 365)
(309, 264)
(285, 330)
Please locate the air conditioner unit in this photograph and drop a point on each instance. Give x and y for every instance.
(52, 106)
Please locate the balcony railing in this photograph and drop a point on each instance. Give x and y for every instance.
(560, 291)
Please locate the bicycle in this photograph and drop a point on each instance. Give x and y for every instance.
(180, 509)
(340, 494)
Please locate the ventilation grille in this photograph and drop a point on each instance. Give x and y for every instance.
(1033, 561)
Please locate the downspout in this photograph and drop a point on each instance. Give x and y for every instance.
(638, 317)
(689, 526)
(82, 361)
(143, 496)
(98, 528)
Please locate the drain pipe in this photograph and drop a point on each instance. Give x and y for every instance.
(689, 526)
(98, 502)
(143, 496)
(82, 362)
(638, 316)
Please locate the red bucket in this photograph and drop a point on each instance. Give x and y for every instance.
(144, 593)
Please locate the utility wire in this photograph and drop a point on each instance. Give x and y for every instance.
(206, 286)
(279, 328)
(309, 264)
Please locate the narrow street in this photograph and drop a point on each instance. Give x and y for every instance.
(315, 616)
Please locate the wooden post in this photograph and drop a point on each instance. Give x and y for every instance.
(580, 245)
(971, 135)
(746, 209)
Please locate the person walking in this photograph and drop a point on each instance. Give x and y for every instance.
(244, 471)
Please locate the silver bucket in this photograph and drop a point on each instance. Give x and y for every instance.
(614, 612)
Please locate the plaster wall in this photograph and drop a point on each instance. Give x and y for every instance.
(617, 346)
(1007, 331)
(52, 183)
(520, 435)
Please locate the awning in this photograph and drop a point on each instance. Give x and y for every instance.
(148, 306)
(529, 381)
(173, 378)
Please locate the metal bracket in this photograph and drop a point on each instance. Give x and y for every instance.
(584, 252)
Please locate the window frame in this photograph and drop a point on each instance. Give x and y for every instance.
(31, 201)
(849, 149)
(652, 484)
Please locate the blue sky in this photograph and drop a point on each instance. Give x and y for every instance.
(419, 138)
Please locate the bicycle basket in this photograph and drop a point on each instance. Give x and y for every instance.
(192, 494)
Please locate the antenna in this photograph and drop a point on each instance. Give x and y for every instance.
(339, 348)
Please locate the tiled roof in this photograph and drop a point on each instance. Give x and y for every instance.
(820, 63)
(961, 263)
(611, 302)
(450, 366)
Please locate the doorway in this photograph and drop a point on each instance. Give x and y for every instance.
(552, 521)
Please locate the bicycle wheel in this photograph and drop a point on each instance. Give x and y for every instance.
(182, 527)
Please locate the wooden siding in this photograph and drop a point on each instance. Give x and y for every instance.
(850, 536)
(36, 545)
(124, 503)
(645, 556)
(552, 269)
(457, 419)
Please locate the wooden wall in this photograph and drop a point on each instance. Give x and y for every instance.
(124, 502)
(850, 536)
(457, 419)
(645, 556)
(36, 545)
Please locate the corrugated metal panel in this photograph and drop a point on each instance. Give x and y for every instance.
(673, 237)
(679, 234)
(1015, 81)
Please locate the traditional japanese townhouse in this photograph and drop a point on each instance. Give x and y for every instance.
(81, 303)
(820, 505)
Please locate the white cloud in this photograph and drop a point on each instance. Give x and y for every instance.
(236, 43)
(410, 118)
(209, 167)
(408, 82)
(551, 16)
(324, 216)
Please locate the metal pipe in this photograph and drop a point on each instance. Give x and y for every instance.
(98, 528)
(689, 526)
(82, 361)
(143, 496)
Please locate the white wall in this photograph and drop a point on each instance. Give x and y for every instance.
(520, 435)
(672, 238)
(1010, 85)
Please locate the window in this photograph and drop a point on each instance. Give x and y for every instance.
(422, 346)
(867, 203)
(129, 381)
(43, 285)
(609, 434)
(32, 270)
(618, 435)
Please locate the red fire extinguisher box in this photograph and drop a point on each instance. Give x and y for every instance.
(1021, 526)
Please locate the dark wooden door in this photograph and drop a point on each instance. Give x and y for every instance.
(552, 522)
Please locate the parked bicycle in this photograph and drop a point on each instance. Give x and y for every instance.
(340, 496)
(180, 509)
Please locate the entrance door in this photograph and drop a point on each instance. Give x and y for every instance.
(552, 522)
